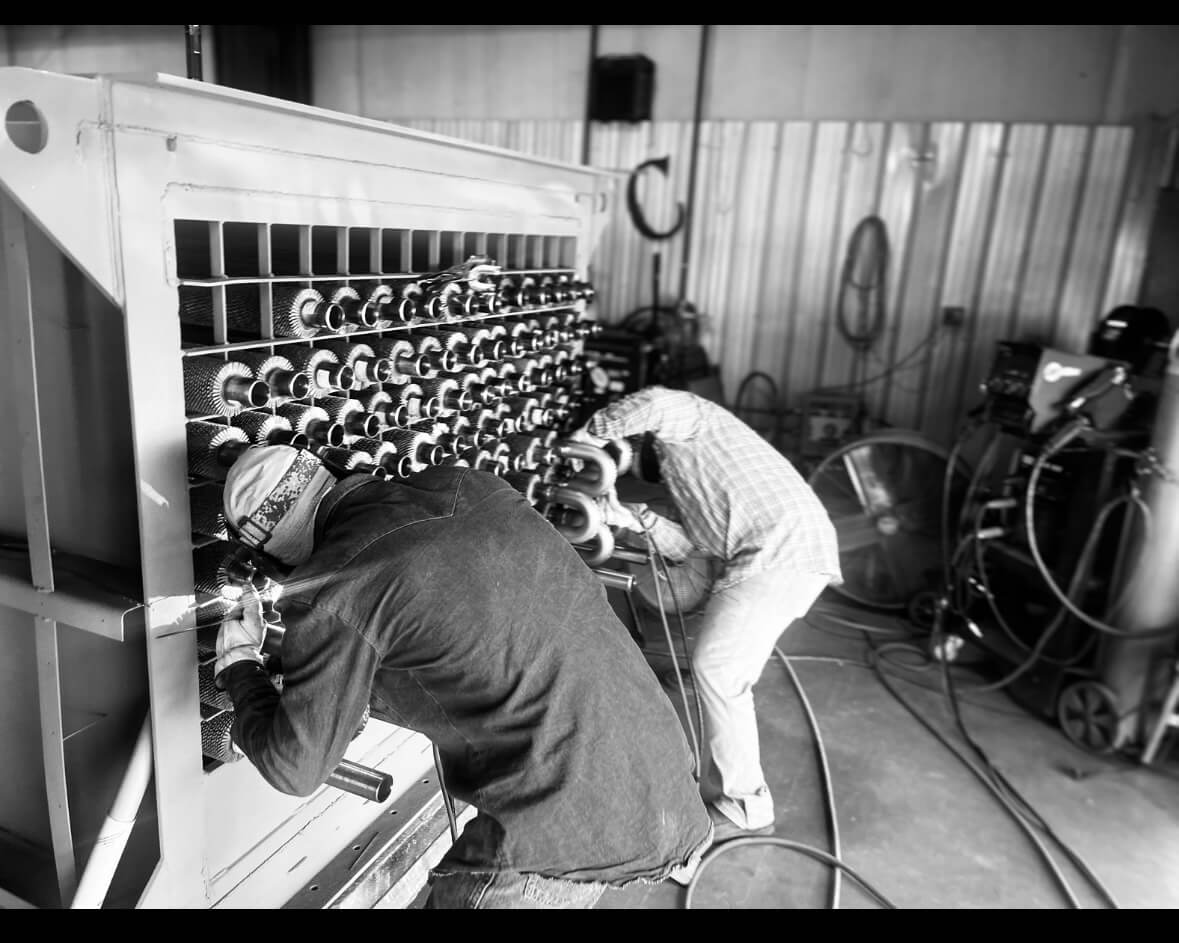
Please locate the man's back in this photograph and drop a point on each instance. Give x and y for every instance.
(480, 626)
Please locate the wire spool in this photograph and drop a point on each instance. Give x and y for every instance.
(207, 512)
(367, 367)
(216, 733)
(213, 447)
(351, 415)
(323, 369)
(313, 422)
(357, 313)
(265, 428)
(277, 371)
(215, 387)
(208, 691)
(883, 493)
(416, 451)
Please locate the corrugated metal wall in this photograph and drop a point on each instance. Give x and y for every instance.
(1033, 229)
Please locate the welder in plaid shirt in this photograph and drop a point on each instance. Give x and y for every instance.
(743, 503)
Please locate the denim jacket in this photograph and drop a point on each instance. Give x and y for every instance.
(447, 605)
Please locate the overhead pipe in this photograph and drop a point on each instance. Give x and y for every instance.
(701, 69)
(116, 827)
(589, 95)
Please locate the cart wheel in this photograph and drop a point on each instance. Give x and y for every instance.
(923, 609)
(1088, 715)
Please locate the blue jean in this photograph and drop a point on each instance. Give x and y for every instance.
(738, 630)
(509, 890)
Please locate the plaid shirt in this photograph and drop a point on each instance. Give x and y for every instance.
(739, 499)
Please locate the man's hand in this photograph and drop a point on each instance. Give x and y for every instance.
(241, 639)
(616, 514)
(584, 435)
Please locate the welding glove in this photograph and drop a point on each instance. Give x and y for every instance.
(241, 639)
(617, 514)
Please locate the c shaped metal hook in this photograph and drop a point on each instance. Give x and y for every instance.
(632, 201)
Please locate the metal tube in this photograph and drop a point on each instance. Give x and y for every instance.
(192, 49)
(589, 482)
(116, 828)
(615, 580)
(361, 781)
(592, 517)
(1128, 666)
(696, 118)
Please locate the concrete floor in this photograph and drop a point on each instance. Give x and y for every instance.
(913, 820)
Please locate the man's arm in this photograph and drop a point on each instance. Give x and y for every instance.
(672, 415)
(669, 538)
(298, 738)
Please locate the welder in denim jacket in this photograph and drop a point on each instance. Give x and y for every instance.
(447, 605)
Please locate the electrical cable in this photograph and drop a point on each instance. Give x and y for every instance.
(683, 639)
(824, 768)
(828, 858)
(447, 801)
(1034, 547)
(1035, 816)
(982, 776)
(699, 772)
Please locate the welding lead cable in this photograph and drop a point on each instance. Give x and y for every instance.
(824, 768)
(216, 387)
(367, 368)
(314, 423)
(981, 775)
(212, 448)
(653, 548)
(296, 312)
(357, 311)
(277, 372)
(269, 429)
(1029, 503)
(447, 801)
(1021, 803)
(323, 369)
(350, 414)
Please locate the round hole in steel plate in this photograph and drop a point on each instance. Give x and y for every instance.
(26, 127)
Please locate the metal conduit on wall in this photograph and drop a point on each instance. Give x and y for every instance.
(1036, 230)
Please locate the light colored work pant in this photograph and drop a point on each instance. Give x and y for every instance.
(738, 630)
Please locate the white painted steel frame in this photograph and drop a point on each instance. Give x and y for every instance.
(127, 156)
